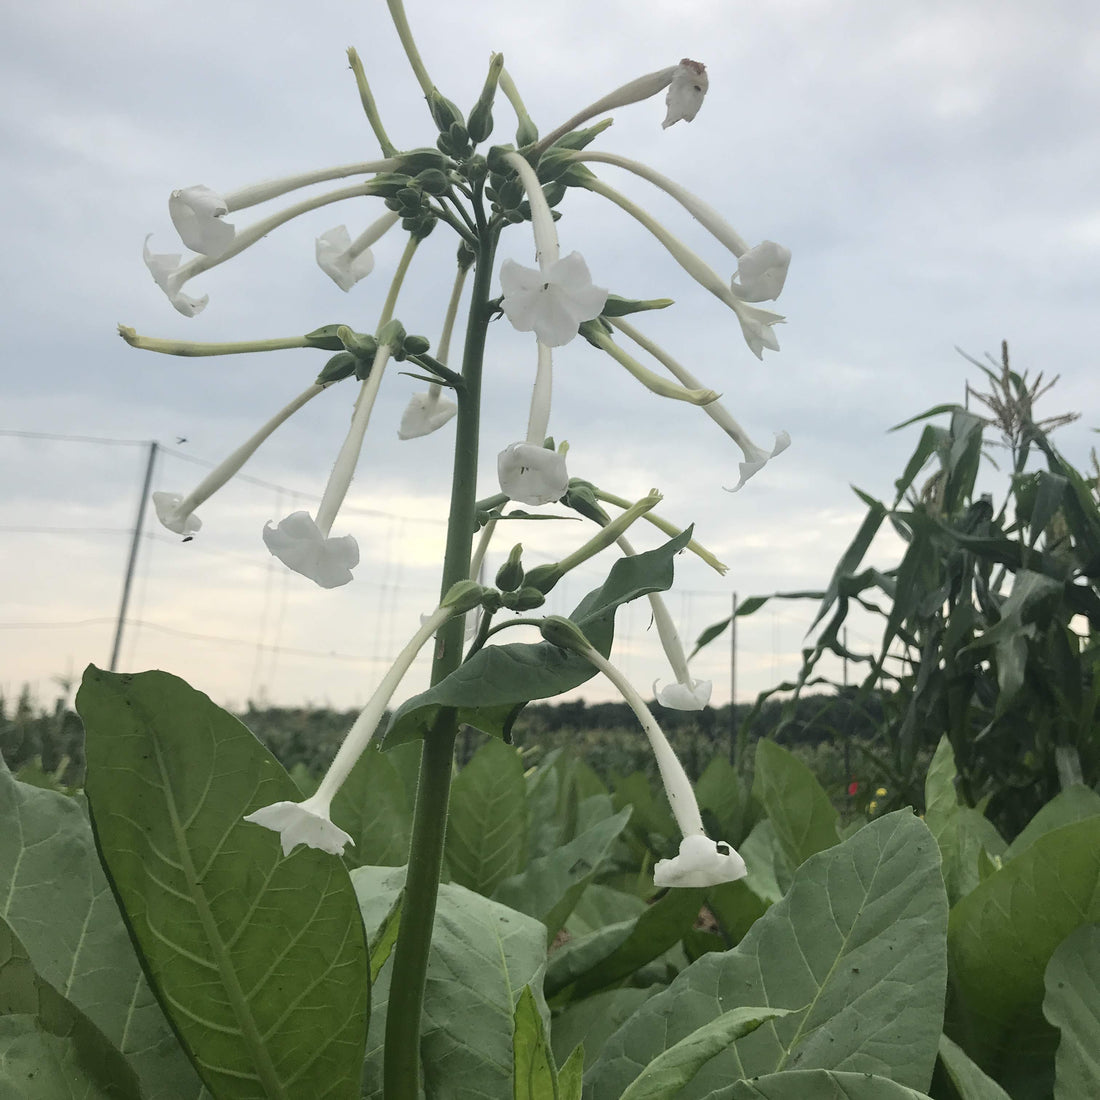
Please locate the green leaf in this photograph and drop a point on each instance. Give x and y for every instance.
(482, 956)
(551, 885)
(1072, 1004)
(372, 808)
(487, 822)
(571, 1076)
(674, 1067)
(535, 1075)
(855, 950)
(591, 1022)
(820, 1084)
(969, 1080)
(1003, 934)
(722, 797)
(25, 995)
(804, 819)
(58, 902)
(491, 688)
(1075, 803)
(37, 1065)
(259, 959)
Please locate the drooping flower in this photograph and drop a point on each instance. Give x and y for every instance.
(197, 213)
(761, 272)
(426, 412)
(756, 327)
(165, 269)
(692, 695)
(334, 259)
(305, 822)
(553, 302)
(700, 862)
(756, 458)
(298, 543)
(532, 474)
(686, 92)
(173, 517)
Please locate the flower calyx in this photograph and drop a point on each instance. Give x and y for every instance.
(510, 575)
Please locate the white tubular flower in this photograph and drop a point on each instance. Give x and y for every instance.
(170, 274)
(532, 474)
(761, 272)
(177, 512)
(197, 214)
(552, 302)
(308, 822)
(300, 545)
(756, 327)
(756, 458)
(700, 862)
(346, 261)
(425, 413)
(172, 515)
(303, 823)
(694, 695)
(686, 92)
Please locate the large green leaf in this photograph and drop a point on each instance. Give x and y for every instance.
(967, 1077)
(804, 819)
(491, 688)
(38, 1065)
(482, 956)
(1001, 938)
(1075, 803)
(677, 1065)
(44, 1015)
(57, 901)
(855, 950)
(1072, 1004)
(594, 1020)
(820, 1084)
(550, 886)
(487, 821)
(372, 807)
(533, 1070)
(259, 959)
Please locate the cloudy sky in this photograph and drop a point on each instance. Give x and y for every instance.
(933, 167)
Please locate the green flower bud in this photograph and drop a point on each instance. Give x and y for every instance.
(527, 133)
(338, 368)
(480, 123)
(476, 168)
(464, 596)
(459, 139)
(420, 160)
(393, 333)
(359, 344)
(553, 164)
(416, 345)
(543, 577)
(444, 113)
(434, 181)
(511, 194)
(387, 184)
(496, 162)
(419, 226)
(466, 256)
(578, 139)
(621, 307)
(325, 338)
(564, 634)
(526, 599)
(510, 574)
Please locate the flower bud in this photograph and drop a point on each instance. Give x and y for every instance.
(359, 344)
(325, 338)
(393, 333)
(622, 307)
(338, 368)
(464, 596)
(480, 124)
(543, 577)
(510, 575)
(415, 345)
(564, 634)
(444, 113)
(420, 160)
(433, 181)
(526, 599)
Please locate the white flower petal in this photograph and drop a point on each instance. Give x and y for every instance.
(757, 458)
(551, 303)
(756, 327)
(531, 474)
(167, 506)
(700, 862)
(685, 93)
(300, 823)
(298, 543)
(197, 214)
(426, 413)
(164, 267)
(333, 258)
(677, 696)
(761, 272)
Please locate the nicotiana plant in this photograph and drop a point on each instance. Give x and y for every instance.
(461, 183)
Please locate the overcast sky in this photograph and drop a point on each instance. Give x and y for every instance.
(933, 167)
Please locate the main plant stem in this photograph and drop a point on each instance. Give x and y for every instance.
(410, 964)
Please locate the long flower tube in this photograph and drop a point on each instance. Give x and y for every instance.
(701, 861)
(176, 512)
(308, 822)
(171, 275)
(756, 323)
(687, 693)
(755, 457)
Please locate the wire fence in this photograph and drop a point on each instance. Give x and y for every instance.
(224, 614)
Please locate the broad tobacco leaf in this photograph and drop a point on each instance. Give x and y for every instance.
(1072, 1004)
(489, 690)
(856, 952)
(259, 958)
(57, 901)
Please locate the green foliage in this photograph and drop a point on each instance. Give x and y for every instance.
(258, 959)
(1072, 1004)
